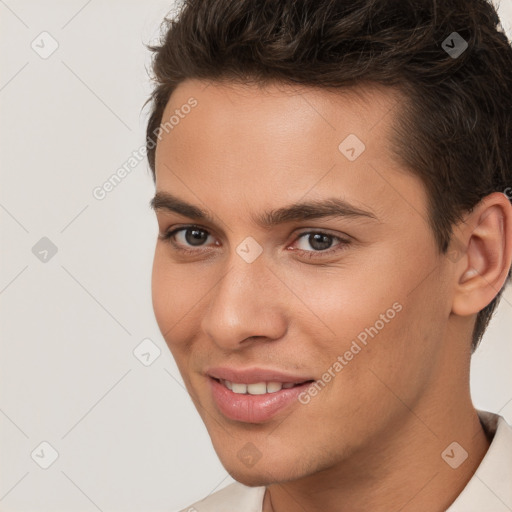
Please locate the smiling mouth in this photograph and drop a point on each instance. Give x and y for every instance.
(259, 388)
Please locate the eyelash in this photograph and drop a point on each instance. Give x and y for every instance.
(168, 236)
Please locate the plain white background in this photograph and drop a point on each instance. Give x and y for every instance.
(127, 435)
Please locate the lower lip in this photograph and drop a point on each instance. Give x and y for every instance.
(253, 408)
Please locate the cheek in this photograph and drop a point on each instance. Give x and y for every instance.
(399, 357)
(171, 296)
(173, 303)
(375, 315)
(347, 302)
(160, 291)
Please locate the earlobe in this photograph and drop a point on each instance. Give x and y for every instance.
(484, 269)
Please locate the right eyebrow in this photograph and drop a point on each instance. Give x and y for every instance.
(170, 203)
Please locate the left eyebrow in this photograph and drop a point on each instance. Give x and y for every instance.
(330, 207)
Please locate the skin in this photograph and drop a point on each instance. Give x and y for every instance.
(372, 438)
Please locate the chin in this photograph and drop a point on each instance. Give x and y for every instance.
(262, 474)
(251, 478)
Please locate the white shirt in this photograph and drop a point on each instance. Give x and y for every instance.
(489, 490)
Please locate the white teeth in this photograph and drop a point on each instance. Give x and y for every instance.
(272, 387)
(239, 388)
(259, 388)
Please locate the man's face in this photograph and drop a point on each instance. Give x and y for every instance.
(363, 289)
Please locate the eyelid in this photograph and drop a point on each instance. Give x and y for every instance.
(331, 251)
(169, 234)
(342, 242)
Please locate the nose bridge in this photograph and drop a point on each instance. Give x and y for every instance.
(244, 303)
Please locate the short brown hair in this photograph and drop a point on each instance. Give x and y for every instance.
(454, 129)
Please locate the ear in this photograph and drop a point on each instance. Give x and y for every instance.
(484, 242)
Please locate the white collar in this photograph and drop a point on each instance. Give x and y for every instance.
(490, 487)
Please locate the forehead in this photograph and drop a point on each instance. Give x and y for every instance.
(281, 111)
(280, 142)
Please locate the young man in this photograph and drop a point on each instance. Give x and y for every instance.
(332, 185)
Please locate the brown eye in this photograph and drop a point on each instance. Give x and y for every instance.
(318, 244)
(195, 236)
(319, 241)
(186, 238)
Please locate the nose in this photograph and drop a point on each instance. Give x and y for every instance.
(247, 302)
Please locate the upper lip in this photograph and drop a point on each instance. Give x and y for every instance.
(254, 375)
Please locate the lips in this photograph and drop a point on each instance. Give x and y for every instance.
(255, 375)
(259, 388)
(254, 395)
(253, 408)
